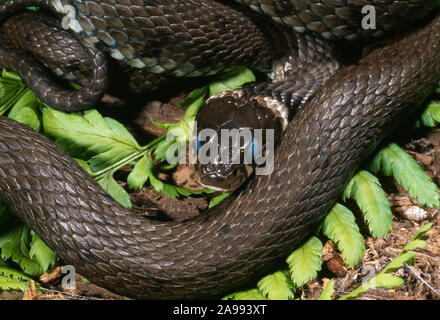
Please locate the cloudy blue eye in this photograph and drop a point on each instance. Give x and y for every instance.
(198, 143)
(254, 149)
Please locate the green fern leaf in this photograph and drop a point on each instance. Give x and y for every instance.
(305, 262)
(387, 281)
(11, 90)
(393, 161)
(100, 141)
(276, 286)
(366, 190)
(328, 291)
(431, 116)
(15, 245)
(399, 261)
(422, 233)
(41, 253)
(139, 175)
(340, 226)
(11, 279)
(109, 184)
(27, 110)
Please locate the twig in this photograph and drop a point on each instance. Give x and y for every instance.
(428, 256)
(411, 270)
(71, 295)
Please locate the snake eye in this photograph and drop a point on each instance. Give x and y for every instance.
(254, 148)
(198, 143)
(199, 140)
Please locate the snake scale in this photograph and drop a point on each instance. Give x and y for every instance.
(247, 235)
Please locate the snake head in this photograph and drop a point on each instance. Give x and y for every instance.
(231, 135)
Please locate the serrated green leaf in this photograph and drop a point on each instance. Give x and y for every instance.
(328, 291)
(160, 150)
(388, 281)
(393, 161)
(27, 110)
(416, 244)
(431, 115)
(109, 184)
(10, 242)
(139, 175)
(305, 262)
(11, 90)
(11, 279)
(340, 226)
(100, 141)
(252, 294)
(399, 261)
(276, 286)
(419, 240)
(421, 234)
(41, 253)
(14, 245)
(164, 126)
(366, 190)
(231, 80)
(31, 267)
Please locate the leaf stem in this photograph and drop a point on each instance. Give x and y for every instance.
(118, 165)
(133, 157)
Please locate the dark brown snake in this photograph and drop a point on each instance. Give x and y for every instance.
(246, 236)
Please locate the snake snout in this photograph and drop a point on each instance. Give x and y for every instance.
(222, 177)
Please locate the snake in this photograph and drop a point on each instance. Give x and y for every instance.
(352, 107)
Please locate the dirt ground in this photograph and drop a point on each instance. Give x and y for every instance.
(422, 280)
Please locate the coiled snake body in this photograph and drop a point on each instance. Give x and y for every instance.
(327, 139)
